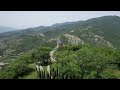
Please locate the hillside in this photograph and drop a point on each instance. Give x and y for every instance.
(101, 31)
(90, 50)
(6, 29)
(71, 62)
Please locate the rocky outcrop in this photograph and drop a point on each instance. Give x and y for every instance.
(96, 39)
(41, 34)
(73, 39)
(99, 40)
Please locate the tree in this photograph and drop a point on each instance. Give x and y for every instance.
(84, 58)
(16, 68)
(41, 55)
(85, 61)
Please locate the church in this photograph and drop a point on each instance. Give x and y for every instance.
(59, 43)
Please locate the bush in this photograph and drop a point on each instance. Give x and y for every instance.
(85, 61)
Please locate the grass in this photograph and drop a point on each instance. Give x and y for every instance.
(117, 73)
(32, 65)
(32, 74)
(113, 73)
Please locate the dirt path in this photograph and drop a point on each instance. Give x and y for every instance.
(52, 55)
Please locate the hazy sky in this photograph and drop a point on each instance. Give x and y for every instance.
(26, 19)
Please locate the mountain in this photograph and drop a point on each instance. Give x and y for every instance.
(101, 31)
(6, 29)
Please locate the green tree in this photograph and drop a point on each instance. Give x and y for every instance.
(41, 55)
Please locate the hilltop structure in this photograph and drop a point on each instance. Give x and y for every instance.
(59, 43)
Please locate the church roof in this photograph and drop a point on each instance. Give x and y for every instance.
(59, 42)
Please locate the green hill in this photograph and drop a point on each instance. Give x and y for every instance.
(90, 51)
(101, 31)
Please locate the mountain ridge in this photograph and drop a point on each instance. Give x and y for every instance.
(6, 29)
(101, 31)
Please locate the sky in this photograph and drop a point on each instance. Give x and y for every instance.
(27, 19)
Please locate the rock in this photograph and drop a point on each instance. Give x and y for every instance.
(73, 39)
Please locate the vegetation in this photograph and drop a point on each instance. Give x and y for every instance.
(73, 62)
(106, 28)
(98, 58)
(86, 62)
(21, 66)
